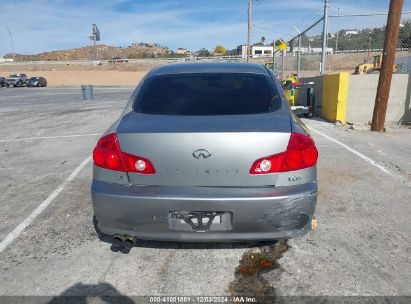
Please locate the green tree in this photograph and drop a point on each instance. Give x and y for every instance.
(404, 39)
(203, 52)
(261, 42)
(219, 49)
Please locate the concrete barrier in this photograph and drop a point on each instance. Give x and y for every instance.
(351, 98)
(362, 91)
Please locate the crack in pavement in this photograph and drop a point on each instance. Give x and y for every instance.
(102, 277)
(165, 268)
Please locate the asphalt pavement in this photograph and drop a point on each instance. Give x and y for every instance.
(361, 246)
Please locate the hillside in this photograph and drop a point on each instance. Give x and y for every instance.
(136, 50)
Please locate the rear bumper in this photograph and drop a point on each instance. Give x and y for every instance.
(255, 213)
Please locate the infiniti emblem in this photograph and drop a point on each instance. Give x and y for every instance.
(201, 153)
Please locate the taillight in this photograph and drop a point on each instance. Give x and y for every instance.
(137, 164)
(301, 153)
(107, 154)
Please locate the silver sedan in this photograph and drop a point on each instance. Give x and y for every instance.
(205, 152)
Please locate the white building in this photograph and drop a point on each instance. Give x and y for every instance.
(183, 51)
(5, 60)
(350, 32)
(256, 51)
(312, 50)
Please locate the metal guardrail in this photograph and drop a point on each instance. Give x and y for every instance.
(139, 60)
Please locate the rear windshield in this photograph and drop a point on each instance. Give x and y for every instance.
(207, 94)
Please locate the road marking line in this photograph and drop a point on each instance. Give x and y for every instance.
(23, 225)
(359, 154)
(49, 137)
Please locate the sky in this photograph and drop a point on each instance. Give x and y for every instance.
(42, 25)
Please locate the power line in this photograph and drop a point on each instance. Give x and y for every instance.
(269, 30)
(11, 41)
(312, 14)
(258, 3)
(365, 14)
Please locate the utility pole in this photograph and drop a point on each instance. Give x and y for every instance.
(384, 82)
(95, 37)
(325, 32)
(249, 30)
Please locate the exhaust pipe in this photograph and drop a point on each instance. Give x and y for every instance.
(124, 240)
(130, 242)
(118, 240)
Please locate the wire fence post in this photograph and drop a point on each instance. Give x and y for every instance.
(283, 65)
(249, 31)
(299, 56)
(273, 56)
(325, 33)
(94, 47)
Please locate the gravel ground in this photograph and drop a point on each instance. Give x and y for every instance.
(360, 248)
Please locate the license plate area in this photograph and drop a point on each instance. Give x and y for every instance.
(200, 221)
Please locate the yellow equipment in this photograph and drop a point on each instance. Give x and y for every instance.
(375, 67)
(290, 91)
(292, 87)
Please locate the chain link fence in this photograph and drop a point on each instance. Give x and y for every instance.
(351, 40)
(359, 39)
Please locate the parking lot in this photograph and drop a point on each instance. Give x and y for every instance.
(49, 245)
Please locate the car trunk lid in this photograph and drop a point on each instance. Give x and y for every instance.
(204, 150)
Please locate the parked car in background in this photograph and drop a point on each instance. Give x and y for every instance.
(2, 82)
(205, 152)
(16, 80)
(37, 82)
(118, 60)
